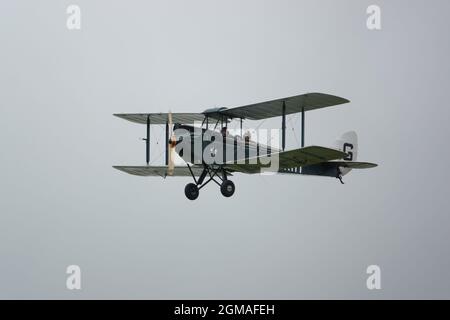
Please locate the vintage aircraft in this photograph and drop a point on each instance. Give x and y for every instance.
(212, 154)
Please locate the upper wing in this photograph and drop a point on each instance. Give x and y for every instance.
(146, 171)
(257, 111)
(287, 159)
(274, 108)
(161, 118)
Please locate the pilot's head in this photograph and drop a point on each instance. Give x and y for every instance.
(247, 135)
(224, 131)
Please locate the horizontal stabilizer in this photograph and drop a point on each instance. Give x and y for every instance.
(354, 164)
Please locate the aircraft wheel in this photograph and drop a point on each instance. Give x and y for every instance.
(191, 191)
(227, 188)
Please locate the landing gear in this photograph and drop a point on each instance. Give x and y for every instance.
(227, 188)
(191, 191)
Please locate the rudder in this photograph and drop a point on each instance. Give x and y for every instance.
(348, 143)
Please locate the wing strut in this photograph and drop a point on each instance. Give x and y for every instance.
(303, 127)
(147, 142)
(241, 128)
(167, 143)
(283, 126)
(299, 169)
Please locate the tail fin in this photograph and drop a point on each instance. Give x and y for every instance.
(348, 143)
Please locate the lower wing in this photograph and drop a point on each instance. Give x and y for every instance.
(161, 171)
(285, 159)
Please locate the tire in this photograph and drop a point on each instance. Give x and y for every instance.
(191, 191)
(227, 188)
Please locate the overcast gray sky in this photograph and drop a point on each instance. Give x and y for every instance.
(286, 237)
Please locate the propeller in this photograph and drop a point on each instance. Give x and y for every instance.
(172, 143)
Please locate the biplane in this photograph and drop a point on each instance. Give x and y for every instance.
(211, 154)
